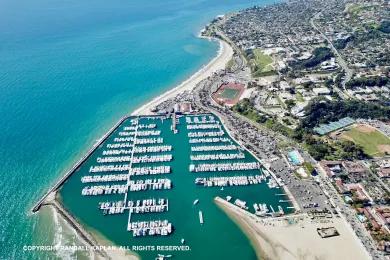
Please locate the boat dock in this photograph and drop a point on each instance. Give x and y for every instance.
(223, 167)
(229, 181)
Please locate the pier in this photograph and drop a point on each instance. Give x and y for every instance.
(140, 155)
(209, 148)
(229, 181)
(220, 156)
(221, 167)
(150, 228)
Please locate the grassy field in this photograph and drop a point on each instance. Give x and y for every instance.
(230, 93)
(355, 9)
(230, 64)
(261, 64)
(299, 97)
(373, 142)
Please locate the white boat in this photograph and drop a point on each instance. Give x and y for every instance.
(162, 257)
(196, 201)
(182, 241)
(200, 217)
(281, 211)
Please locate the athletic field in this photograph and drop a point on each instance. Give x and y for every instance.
(229, 93)
(373, 142)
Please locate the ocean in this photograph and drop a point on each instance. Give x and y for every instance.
(68, 71)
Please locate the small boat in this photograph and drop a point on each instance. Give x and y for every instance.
(281, 211)
(200, 217)
(196, 201)
(222, 188)
(162, 257)
(182, 241)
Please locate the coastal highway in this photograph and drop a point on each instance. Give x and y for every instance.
(349, 215)
(219, 33)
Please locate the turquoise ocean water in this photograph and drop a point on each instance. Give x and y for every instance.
(68, 70)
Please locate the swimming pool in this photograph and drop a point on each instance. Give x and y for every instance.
(295, 157)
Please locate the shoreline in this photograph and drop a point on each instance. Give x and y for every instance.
(276, 239)
(50, 198)
(91, 238)
(245, 227)
(219, 62)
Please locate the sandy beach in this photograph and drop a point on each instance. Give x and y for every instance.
(89, 237)
(295, 237)
(225, 53)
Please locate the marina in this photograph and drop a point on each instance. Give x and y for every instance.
(149, 161)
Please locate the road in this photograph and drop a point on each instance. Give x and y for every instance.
(349, 215)
(385, 186)
(231, 43)
(340, 60)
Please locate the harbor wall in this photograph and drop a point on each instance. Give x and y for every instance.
(59, 183)
(85, 236)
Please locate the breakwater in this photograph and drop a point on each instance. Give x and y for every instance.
(58, 184)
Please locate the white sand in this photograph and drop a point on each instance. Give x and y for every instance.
(225, 53)
(277, 240)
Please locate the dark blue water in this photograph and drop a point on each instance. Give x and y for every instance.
(68, 70)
